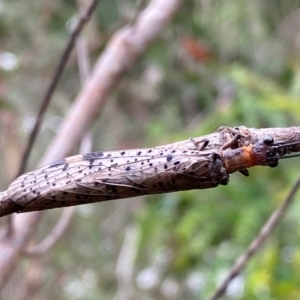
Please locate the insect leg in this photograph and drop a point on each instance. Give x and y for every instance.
(232, 143)
(245, 172)
(204, 143)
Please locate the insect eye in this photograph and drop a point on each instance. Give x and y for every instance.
(268, 140)
(273, 164)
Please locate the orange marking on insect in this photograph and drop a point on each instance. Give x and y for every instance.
(239, 158)
(249, 156)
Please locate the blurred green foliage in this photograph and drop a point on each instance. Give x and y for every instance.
(184, 243)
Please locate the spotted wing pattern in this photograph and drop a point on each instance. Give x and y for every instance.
(101, 176)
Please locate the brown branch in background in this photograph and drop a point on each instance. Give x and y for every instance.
(125, 263)
(83, 19)
(86, 146)
(56, 233)
(82, 59)
(257, 243)
(84, 68)
(122, 52)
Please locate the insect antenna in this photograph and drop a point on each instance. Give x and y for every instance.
(289, 156)
(280, 150)
(286, 145)
(287, 148)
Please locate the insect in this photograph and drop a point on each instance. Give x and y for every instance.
(102, 176)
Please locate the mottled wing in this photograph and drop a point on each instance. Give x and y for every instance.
(101, 176)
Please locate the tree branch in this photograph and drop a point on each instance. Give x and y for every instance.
(56, 233)
(257, 242)
(86, 146)
(84, 18)
(120, 54)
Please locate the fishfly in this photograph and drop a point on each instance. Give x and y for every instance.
(201, 163)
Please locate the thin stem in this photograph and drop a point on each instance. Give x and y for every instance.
(56, 233)
(86, 145)
(256, 243)
(84, 18)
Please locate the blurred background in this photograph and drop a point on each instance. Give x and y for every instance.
(218, 63)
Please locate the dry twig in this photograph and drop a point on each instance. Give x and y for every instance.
(86, 145)
(84, 18)
(56, 233)
(257, 243)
